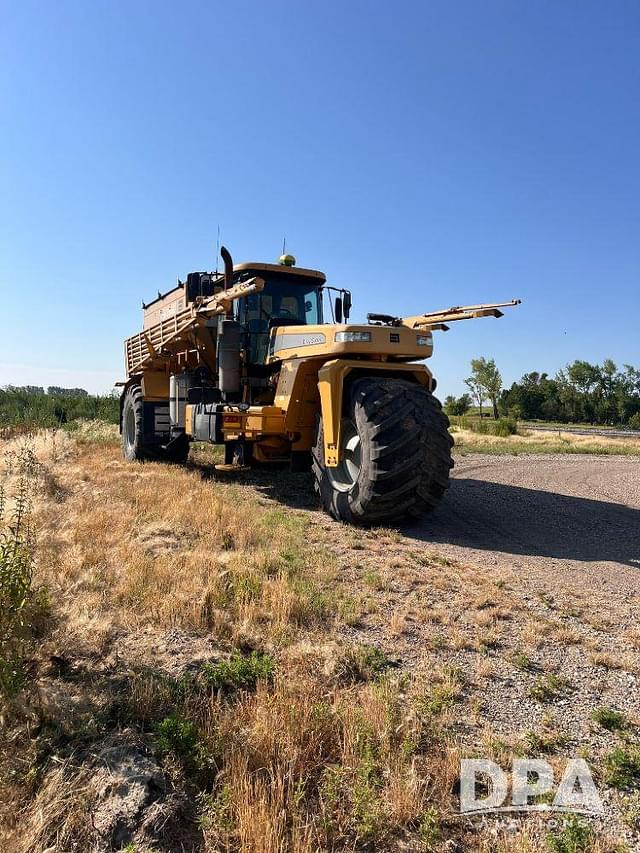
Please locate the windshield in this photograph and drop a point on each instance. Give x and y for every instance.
(282, 299)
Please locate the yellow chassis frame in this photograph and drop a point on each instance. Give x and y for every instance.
(263, 424)
(331, 378)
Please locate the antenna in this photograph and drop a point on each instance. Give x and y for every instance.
(284, 245)
(217, 248)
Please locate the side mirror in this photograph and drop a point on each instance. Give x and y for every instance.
(346, 304)
(338, 309)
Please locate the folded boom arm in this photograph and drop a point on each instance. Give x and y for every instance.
(439, 319)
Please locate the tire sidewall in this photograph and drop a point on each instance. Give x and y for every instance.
(337, 503)
(132, 444)
(332, 500)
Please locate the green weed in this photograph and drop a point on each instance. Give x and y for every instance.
(522, 661)
(429, 829)
(608, 718)
(622, 767)
(178, 735)
(364, 662)
(240, 673)
(548, 688)
(544, 742)
(574, 837)
(16, 575)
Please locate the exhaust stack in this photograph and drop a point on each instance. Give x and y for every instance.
(228, 275)
(228, 267)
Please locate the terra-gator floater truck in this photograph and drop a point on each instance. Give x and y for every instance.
(245, 359)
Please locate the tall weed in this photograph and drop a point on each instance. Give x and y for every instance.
(16, 576)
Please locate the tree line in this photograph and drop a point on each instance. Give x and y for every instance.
(580, 392)
(52, 390)
(31, 406)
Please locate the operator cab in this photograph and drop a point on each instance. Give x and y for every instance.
(291, 296)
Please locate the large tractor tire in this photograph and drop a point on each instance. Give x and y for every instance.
(133, 447)
(396, 454)
(133, 432)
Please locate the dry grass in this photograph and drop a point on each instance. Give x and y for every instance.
(165, 545)
(484, 668)
(632, 635)
(607, 660)
(156, 575)
(140, 559)
(525, 441)
(342, 751)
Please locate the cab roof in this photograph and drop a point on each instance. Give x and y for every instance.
(281, 269)
(300, 272)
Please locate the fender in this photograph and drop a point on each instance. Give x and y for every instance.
(331, 378)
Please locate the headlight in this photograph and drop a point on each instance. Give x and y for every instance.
(424, 340)
(353, 337)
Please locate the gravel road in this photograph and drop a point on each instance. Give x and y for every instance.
(574, 517)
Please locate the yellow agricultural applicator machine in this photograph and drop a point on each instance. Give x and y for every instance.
(244, 359)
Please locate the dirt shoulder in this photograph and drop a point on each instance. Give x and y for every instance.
(555, 519)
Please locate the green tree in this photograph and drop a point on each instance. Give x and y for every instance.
(582, 391)
(486, 377)
(535, 397)
(457, 405)
(583, 376)
(628, 393)
(476, 391)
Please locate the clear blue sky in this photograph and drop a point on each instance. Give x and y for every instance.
(422, 154)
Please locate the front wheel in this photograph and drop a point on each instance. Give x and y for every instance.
(395, 454)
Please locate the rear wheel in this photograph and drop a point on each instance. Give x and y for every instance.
(396, 454)
(133, 432)
(133, 425)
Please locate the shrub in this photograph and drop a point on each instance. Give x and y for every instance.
(503, 427)
(634, 421)
(177, 734)
(240, 673)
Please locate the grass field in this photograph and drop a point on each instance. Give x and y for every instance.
(565, 426)
(524, 441)
(215, 666)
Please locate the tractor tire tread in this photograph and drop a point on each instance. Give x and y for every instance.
(406, 453)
